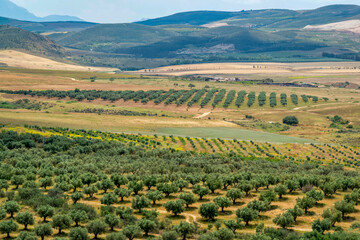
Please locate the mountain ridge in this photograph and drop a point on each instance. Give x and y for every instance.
(9, 9)
(41, 27)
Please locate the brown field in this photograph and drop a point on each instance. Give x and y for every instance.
(324, 72)
(103, 122)
(18, 59)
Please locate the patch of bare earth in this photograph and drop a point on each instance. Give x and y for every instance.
(18, 59)
(344, 26)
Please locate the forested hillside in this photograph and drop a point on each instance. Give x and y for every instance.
(17, 38)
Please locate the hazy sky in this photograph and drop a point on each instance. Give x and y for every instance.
(112, 11)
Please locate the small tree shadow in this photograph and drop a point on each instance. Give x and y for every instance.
(225, 213)
(178, 217)
(239, 203)
(191, 209)
(273, 207)
(263, 217)
(319, 205)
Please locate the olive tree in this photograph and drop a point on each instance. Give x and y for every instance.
(189, 198)
(45, 211)
(25, 218)
(8, 227)
(176, 207)
(43, 230)
(96, 227)
(209, 210)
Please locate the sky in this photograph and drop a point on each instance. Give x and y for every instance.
(119, 11)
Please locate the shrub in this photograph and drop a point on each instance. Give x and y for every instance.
(291, 120)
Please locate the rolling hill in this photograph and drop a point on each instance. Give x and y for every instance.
(164, 42)
(192, 18)
(324, 15)
(9, 9)
(220, 40)
(269, 18)
(107, 37)
(19, 39)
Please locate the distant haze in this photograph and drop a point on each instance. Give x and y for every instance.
(115, 11)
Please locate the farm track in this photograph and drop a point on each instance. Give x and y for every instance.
(203, 115)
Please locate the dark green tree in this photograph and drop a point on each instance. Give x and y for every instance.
(96, 227)
(189, 198)
(8, 227)
(122, 193)
(78, 216)
(176, 207)
(45, 211)
(25, 218)
(234, 194)
(109, 199)
(112, 220)
(135, 187)
(247, 214)
(91, 190)
(26, 236)
(61, 222)
(43, 230)
(79, 233)
(201, 191)
(295, 212)
(284, 220)
(305, 203)
(154, 196)
(11, 207)
(118, 180)
(321, 225)
(139, 203)
(185, 229)
(333, 215)
(105, 185)
(132, 231)
(147, 226)
(291, 120)
(76, 196)
(115, 236)
(224, 234)
(209, 210)
(345, 207)
(222, 202)
(280, 190)
(150, 181)
(167, 188)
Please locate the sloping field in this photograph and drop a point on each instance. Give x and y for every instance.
(23, 60)
(233, 133)
(345, 26)
(288, 69)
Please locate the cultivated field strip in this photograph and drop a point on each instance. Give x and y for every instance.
(216, 98)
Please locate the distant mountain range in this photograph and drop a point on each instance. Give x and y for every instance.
(9, 9)
(204, 36)
(211, 32)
